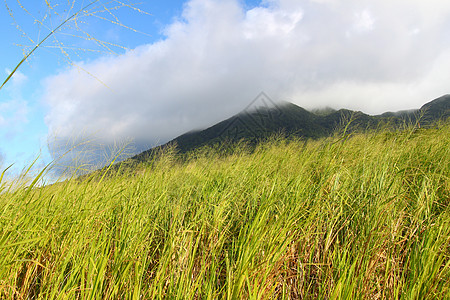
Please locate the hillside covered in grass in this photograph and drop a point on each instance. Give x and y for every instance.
(346, 217)
(259, 122)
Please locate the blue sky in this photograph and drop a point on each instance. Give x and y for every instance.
(190, 64)
(23, 131)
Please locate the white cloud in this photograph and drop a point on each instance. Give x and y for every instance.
(18, 77)
(13, 115)
(363, 22)
(366, 55)
(262, 22)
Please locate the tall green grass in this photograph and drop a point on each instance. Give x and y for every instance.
(360, 217)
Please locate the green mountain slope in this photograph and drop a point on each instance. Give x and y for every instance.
(254, 125)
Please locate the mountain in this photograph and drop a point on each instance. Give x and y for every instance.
(264, 118)
(438, 109)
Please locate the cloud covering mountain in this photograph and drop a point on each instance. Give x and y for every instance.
(373, 56)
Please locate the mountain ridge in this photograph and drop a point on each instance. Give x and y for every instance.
(292, 120)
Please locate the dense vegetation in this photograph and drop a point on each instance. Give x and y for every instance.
(364, 216)
(259, 122)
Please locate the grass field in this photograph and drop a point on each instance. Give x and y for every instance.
(360, 217)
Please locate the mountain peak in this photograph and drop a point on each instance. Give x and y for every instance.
(262, 103)
(439, 108)
(264, 117)
(443, 100)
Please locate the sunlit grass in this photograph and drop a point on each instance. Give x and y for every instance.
(364, 217)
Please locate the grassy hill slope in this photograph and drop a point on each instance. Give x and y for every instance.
(291, 120)
(360, 217)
